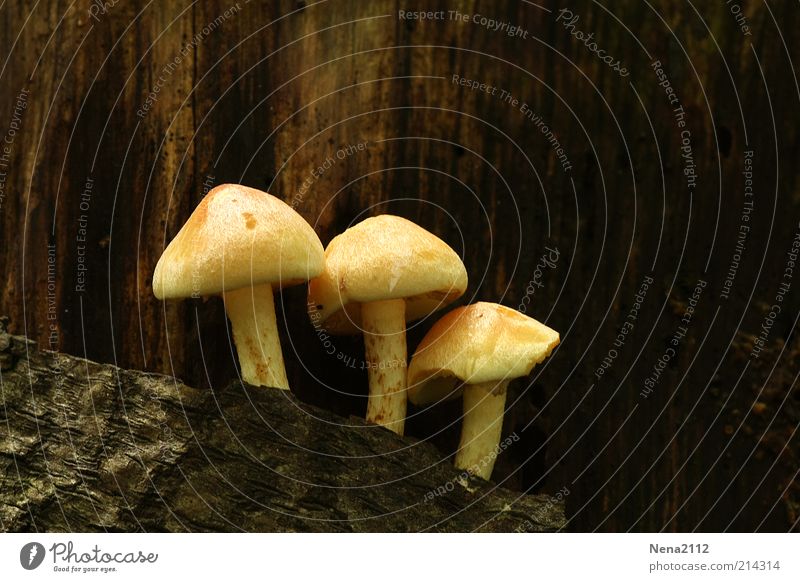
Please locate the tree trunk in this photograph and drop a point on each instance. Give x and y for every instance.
(123, 118)
(91, 447)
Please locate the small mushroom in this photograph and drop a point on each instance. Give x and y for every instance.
(380, 274)
(241, 242)
(477, 350)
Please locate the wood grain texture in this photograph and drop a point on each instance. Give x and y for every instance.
(269, 93)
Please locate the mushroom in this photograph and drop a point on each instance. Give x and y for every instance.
(240, 242)
(477, 350)
(379, 275)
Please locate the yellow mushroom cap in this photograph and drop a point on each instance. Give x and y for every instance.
(482, 342)
(238, 237)
(384, 257)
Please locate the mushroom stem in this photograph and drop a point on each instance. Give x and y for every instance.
(384, 324)
(255, 332)
(484, 406)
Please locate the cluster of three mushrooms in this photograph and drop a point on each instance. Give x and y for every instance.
(374, 277)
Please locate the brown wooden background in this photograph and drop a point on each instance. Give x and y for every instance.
(267, 92)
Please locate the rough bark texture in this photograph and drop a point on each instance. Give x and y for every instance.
(87, 447)
(269, 93)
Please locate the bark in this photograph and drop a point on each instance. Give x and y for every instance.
(99, 176)
(92, 447)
